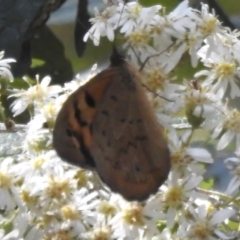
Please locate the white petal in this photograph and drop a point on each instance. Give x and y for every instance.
(201, 73)
(175, 57)
(221, 235)
(226, 138)
(186, 135)
(171, 213)
(235, 91)
(220, 87)
(217, 130)
(233, 185)
(198, 111)
(200, 154)
(222, 215)
(193, 182)
(202, 212)
(12, 235)
(45, 81)
(110, 33)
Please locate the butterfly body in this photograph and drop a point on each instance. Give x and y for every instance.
(108, 126)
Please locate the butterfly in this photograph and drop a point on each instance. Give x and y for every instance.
(108, 126)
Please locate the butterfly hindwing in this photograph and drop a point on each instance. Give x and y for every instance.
(130, 153)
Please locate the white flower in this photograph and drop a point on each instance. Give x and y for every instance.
(100, 230)
(5, 73)
(162, 35)
(129, 220)
(198, 100)
(134, 15)
(223, 71)
(39, 93)
(179, 18)
(156, 79)
(44, 114)
(138, 43)
(37, 165)
(185, 159)
(207, 22)
(207, 224)
(80, 214)
(7, 188)
(226, 124)
(104, 24)
(177, 193)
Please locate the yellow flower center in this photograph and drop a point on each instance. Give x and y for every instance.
(136, 11)
(58, 188)
(27, 198)
(155, 80)
(133, 214)
(5, 180)
(106, 208)
(102, 233)
(68, 212)
(200, 231)
(232, 121)
(58, 235)
(37, 163)
(208, 26)
(225, 69)
(180, 160)
(174, 196)
(81, 178)
(139, 38)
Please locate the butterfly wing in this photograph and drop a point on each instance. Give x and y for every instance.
(130, 152)
(72, 131)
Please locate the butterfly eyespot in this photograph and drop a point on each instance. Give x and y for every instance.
(141, 138)
(130, 144)
(123, 120)
(89, 100)
(123, 150)
(137, 168)
(91, 129)
(113, 98)
(104, 112)
(69, 133)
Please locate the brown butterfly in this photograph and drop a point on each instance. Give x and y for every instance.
(108, 126)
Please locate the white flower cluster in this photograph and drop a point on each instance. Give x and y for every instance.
(42, 197)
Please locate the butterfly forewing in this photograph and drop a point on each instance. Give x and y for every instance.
(72, 137)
